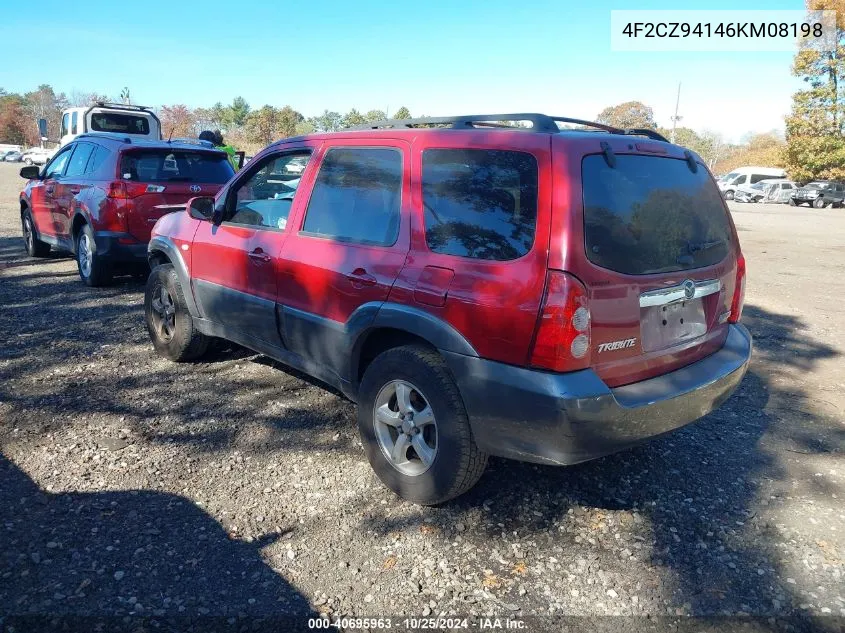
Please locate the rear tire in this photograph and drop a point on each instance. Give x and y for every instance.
(94, 269)
(169, 323)
(426, 464)
(34, 246)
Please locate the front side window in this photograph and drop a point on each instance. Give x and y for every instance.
(266, 198)
(357, 196)
(65, 124)
(79, 159)
(479, 203)
(57, 165)
(74, 123)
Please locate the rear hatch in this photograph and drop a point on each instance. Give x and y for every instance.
(160, 181)
(659, 260)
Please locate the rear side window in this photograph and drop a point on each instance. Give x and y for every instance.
(357, 196)
(165, 165)
(97, 159)
(479, 203)
(651, 214)
(120, 123)
(76, 164)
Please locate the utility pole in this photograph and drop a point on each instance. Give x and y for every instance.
(676, 118)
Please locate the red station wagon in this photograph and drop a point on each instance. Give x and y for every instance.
(100, 195)
(543, 294)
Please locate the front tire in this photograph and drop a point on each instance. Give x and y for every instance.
(818, 203)
(28, 161)
(169, 323)
(729, 195)
(414, 427)
(792, 202)
(94, 269)
(34, 246)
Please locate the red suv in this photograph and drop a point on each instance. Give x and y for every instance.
(543, 294)
(100, 195)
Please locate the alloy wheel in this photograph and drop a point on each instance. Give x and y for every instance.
(85, 255)
(164, 313)
(405, 427)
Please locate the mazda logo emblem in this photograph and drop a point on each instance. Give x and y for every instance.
(195, 188)
(689, 288)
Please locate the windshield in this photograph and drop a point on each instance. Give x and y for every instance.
(650, 214)
(165, 165)
(728, 177)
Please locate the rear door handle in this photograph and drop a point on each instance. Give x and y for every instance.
(361, 277)
(259, 255)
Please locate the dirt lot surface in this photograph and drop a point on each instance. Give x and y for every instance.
(131, 485)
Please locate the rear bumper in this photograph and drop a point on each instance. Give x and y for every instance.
(120, 247)
(569, 418)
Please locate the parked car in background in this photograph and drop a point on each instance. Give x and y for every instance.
(476, 290)
(819, 193)
(729, 183)
(13, 157)
(37, 156)
(779, 191)
(100, 195)
(116, 118)
(771, 190)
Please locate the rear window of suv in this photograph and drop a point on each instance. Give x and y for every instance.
(479, 203)
(651, 215)
(165, 165)
(120, 123)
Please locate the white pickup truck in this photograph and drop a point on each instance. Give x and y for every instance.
(116, 118)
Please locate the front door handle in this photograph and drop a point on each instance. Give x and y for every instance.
(361, 277)
(259, 255)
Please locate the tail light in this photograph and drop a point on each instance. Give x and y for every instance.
(123, 190)
(739, 292)
(562, 340)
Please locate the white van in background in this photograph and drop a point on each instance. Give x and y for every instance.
(116, 118)
(746, 176)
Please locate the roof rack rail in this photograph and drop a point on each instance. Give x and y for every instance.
(539, 123)
(121, 106)
(112, 135)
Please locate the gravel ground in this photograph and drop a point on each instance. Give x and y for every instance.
(232, 487)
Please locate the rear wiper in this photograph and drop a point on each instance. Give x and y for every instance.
(694, 247)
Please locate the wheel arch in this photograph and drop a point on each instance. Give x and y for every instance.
(162, 250)
(395, 325)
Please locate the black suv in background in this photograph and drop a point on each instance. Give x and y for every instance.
(819, 193)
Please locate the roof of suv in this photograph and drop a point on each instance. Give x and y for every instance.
(540, 124)
(146, 143)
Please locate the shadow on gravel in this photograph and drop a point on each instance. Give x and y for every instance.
(130, 558)
(690, 498)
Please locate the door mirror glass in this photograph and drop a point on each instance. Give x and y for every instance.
(201, 208)
(42, 129)
(31, 172)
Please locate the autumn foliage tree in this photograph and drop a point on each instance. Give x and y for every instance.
(177, 121)
(814, 129)
(631, 114)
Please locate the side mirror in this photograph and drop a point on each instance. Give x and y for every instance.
(31, 172)
(201, 208)
(42, 129)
